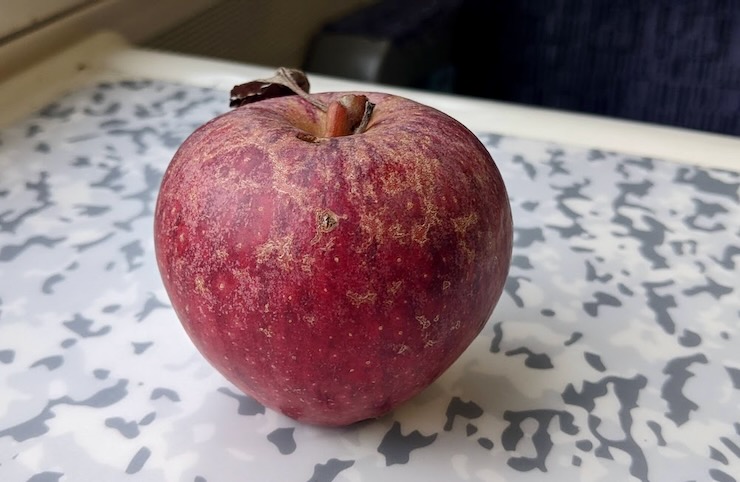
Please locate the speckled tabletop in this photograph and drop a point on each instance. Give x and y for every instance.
(614, 353)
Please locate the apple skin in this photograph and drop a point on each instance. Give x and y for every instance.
(332, 278)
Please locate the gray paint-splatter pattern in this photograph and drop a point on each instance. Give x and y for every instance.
(614, 353)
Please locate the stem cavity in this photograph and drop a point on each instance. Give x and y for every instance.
(348, 115)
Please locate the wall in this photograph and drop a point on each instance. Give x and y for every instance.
(264, 32)
(35, 29)
(19, 15)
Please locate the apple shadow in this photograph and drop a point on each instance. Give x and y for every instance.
(472, 409)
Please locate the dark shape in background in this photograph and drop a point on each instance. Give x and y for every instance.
(668, 62)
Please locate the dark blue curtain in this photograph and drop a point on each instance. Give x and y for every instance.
(672, 62)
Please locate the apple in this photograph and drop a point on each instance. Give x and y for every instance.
(332, 254)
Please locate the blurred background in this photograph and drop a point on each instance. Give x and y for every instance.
(670, 62)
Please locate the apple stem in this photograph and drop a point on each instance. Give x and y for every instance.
(348, 115)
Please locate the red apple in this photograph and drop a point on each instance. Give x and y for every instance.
(333, 264)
